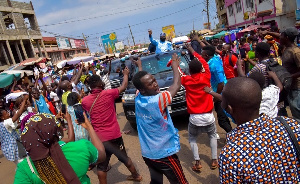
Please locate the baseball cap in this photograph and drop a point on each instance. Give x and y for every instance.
(162, 34)
(291, 32)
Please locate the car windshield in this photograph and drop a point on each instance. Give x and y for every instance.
(158, 63)
(115, 66)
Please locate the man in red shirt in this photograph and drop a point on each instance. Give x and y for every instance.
(100, 105)
(199, 106)
(229, 62)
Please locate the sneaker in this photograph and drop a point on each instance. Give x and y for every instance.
(217, 135)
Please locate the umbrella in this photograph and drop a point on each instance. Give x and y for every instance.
(8, 79)
(220, 34)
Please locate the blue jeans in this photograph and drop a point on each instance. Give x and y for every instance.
(294, 102)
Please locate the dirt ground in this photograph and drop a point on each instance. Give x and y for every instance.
(119, 172)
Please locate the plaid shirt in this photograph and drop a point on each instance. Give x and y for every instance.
(260, 151)
(8, 143)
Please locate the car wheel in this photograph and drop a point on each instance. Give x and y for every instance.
(133, 124)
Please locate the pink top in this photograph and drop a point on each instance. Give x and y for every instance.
(103, 115)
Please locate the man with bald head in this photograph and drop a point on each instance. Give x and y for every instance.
(259, 149)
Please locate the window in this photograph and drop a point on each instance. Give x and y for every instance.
(8, 21)
(260, 1)
(249, 3)
(230, 10)
(238, 6)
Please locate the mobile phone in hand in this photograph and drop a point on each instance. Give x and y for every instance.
(79, 113)
(63, 108)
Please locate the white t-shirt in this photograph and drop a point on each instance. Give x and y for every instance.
(270, 98)
(202, 119)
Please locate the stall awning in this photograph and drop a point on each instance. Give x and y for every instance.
(220, 34)
(8, 79)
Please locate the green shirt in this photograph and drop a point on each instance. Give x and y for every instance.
(80, 155)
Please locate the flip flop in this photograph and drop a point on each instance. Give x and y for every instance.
(212, 167)
(197, 168)
(131, 178)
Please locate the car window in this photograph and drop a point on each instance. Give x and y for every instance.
(158, 63)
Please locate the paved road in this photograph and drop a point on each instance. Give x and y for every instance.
(118, 173)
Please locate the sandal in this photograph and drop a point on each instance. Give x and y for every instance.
(137, 179)
(214, 166)
(197, 168)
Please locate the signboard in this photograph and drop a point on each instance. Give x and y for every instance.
(119, 45)
(206, 25)
(63, 43)
(246, 15)
(170, 32)
(77, 43)
(252, 15)
(109, 41)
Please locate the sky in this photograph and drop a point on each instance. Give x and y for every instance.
(94, 18)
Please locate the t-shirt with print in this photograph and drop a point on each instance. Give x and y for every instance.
(165, 99)
(291, 61)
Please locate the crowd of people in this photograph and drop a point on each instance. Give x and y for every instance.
(57, 128)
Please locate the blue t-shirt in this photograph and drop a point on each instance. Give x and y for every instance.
(217, 72)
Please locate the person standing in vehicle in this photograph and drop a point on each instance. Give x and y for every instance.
(161, 45)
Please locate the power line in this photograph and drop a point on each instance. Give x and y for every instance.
(89, 18)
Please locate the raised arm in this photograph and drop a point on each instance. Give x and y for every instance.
(43, 83)
(154, 42)
(123, 87)
(94, 139)
(203, 43)
(139, 64)
(71, 135)
(109, 68)
(239, 65)
(174, 88)
(21, 110)
(76, 79)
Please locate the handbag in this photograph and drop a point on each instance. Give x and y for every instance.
(93, 104)
(291, 135)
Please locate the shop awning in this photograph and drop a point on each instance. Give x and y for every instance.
(220, 34)
(8, 79)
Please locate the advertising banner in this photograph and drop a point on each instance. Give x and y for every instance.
(170, 32)
(109, 41)
(63, 43)
(77, 43)
(206, 25)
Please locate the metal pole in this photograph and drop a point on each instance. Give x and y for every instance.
(85, 41)
(131, 35)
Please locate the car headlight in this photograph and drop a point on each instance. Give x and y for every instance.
(128, 98)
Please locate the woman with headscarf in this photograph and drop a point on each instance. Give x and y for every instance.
(52, 161)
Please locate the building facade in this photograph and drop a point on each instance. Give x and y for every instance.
(241, 13)
(222, 13)
(59, 49)
(18, 29)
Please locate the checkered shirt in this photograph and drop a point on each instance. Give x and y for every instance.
(8, 143)
(260, 151)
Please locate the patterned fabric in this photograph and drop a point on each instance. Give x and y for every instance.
(79, 131)
(8, 143)
(260, 151)
(165, 99)
(261, 67)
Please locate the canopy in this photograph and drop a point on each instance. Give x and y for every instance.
(31, 61)
(22, 72)
(253, 27)
(220, 34)
(8, 79)
(77, 60)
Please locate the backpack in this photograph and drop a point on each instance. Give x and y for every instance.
(283, 75)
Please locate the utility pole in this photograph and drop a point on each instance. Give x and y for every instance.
(193, 26)
(131, 35)
(85, 41)
(207, 12)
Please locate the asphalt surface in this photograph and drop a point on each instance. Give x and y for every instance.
(119, 172)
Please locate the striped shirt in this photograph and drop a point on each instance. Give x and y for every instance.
(261, 68)
(165, 99)
(105, 79)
